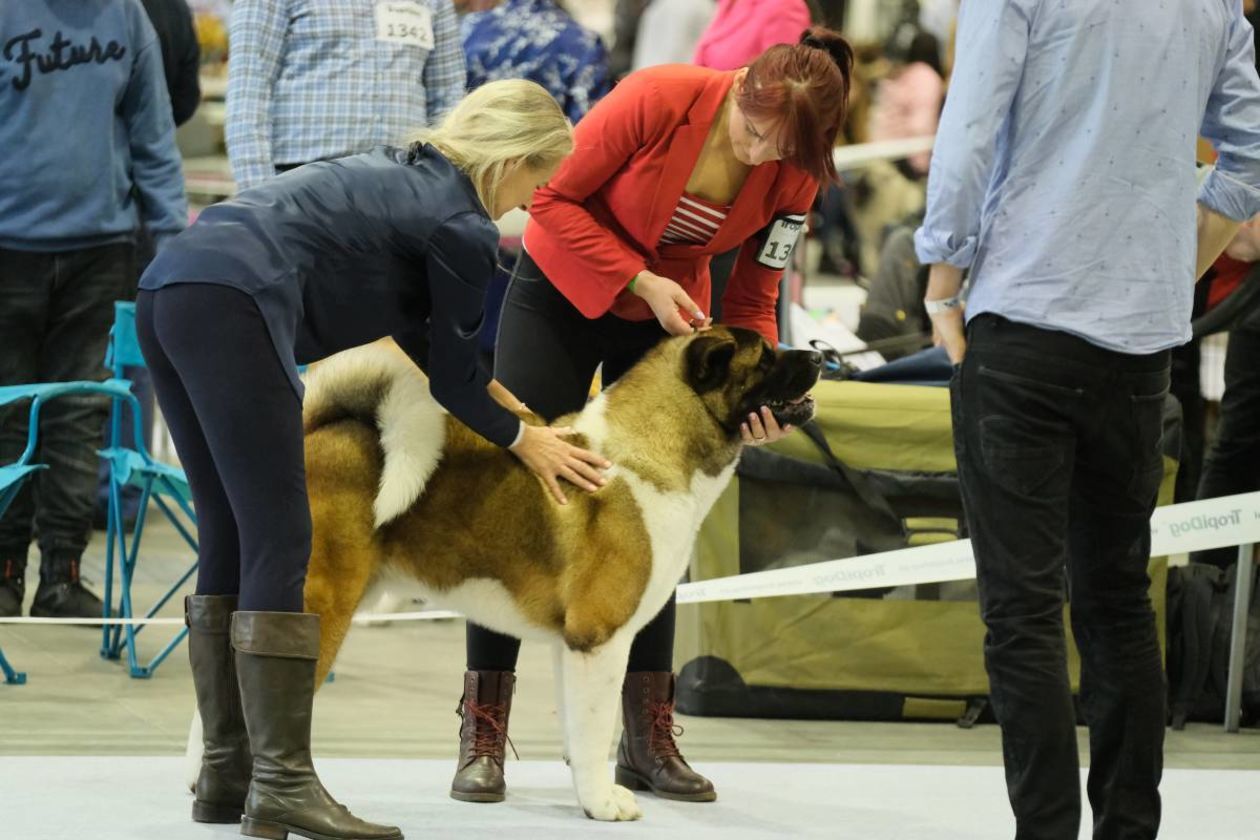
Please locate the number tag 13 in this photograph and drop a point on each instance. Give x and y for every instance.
(781, 238)
(404, 22)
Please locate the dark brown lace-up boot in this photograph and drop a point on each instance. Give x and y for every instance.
(648, 757)
(483, 738)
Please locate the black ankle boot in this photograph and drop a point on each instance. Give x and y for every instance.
(12, 587)
(61, 594)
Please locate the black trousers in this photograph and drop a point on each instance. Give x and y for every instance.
(237, 425)
(1233, 464)
(546, 355)
(1058, 448)
(55, 313)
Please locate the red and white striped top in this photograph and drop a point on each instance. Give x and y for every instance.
(694, 222)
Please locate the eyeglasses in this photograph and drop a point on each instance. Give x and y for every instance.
(751, 131)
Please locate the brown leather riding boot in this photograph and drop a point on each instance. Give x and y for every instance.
(483, 738)
(648, 757)
(276, 654)
(225, 761)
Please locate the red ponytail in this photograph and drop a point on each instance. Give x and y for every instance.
(804, 88)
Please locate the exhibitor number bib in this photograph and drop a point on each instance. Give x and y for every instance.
(405, 22)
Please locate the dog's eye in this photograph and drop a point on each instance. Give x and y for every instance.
(767, 358)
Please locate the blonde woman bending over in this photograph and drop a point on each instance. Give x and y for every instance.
(395, 242)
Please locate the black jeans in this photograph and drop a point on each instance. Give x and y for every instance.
(1233, 465)
(237, 425)
(55, 313)
(1059, 459)
(546, 355)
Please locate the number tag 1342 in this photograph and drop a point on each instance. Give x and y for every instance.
(404, 22)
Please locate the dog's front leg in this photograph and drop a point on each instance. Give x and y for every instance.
(558, 672)
(592, 689)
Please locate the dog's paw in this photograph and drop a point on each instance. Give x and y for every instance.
(620, 805)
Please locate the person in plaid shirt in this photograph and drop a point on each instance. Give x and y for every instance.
(312, 80)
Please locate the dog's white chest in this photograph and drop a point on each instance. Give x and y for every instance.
(672, 521)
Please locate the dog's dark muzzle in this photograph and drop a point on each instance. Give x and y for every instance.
(790, 401)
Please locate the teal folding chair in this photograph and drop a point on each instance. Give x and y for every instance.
(11, 676)
(160, 483)
(14, 476)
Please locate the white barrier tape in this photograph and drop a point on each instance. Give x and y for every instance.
(923, 564)
(365, 618)
(1211, 523)
(1176, 529)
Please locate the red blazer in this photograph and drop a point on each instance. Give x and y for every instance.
(599, 221)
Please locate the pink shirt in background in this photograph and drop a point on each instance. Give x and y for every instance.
(743, 29)
(908, 104)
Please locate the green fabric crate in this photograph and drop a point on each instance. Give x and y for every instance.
(910, 652)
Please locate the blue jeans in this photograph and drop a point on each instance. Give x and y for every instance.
(55, 313)
(1059, 459)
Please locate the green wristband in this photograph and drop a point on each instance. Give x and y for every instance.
(630, 285)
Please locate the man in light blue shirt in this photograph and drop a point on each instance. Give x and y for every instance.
(1063, 180)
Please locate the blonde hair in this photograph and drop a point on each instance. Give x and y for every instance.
(497, 124)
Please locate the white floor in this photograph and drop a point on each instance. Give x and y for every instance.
(113, 798)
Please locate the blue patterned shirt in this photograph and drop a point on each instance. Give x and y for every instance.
(536, 40)
(317, 79)
(1063, 173)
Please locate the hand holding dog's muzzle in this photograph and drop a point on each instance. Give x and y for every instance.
(761, 428)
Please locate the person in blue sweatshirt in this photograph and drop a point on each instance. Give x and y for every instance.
(88, 156)
(394, 242)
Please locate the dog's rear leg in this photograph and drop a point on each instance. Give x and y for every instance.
(336, 580)
(193, 751)
(592, 688)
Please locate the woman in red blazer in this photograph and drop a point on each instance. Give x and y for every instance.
(676, 164)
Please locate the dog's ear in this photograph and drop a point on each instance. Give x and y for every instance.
(709, 362)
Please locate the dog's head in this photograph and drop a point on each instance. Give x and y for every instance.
(736, 371)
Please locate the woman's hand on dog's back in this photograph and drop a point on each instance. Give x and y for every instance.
(545, 451)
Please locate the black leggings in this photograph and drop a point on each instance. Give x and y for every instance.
(546, 355)
(237, 425)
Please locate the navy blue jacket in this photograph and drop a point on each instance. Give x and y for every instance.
(340, 253)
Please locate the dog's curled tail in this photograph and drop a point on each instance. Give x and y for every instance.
(382, 387)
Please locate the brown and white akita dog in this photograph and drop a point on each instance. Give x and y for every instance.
(404, 495)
